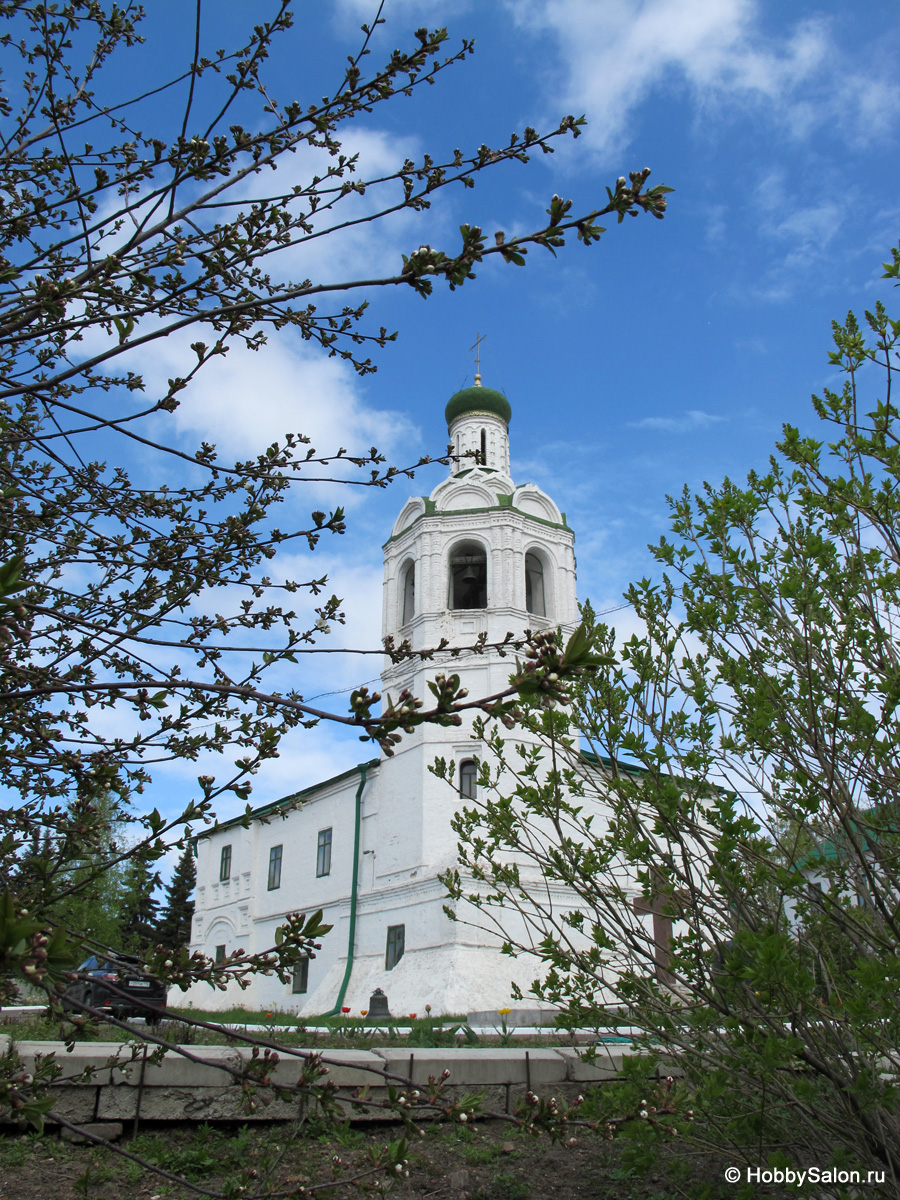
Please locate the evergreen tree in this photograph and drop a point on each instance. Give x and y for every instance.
(138, 928)
(77, 876)
(175, 926)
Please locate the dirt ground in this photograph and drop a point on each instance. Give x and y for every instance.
(490, 1161)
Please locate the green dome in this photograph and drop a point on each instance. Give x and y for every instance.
(477, 399)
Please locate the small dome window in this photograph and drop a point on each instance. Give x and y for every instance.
(408, 592)
(534, 586)
(483, 459)
(468, 576)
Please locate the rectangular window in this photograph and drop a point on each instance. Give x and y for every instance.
(225, 865)
(323, 853)
(220, 954)
(275, 868)
(396, 944)
(300, 982)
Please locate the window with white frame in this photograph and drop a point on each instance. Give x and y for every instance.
(396, 944)
(468, 779)
(468, 576)
(323, 853)
(300, 977)
(275, 856)
(225, 864)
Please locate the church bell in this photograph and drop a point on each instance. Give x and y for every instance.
(378, 1004)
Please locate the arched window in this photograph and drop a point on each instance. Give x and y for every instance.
(468, 576)
(534, 586)
(484, 447)
(468, 779)
(408, 586)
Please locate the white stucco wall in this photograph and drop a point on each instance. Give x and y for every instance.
(406, 838)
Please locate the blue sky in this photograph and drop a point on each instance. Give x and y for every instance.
(669, 353)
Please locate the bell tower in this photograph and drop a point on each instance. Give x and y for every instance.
(480, 554)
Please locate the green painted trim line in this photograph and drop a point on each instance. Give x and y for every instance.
(602, 760)
(285, 801)
(636, 770)
(354, 895)
(503, 503)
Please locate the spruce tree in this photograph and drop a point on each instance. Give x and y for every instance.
(139, 920)
(175, 926)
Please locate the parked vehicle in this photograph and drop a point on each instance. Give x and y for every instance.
(116, 985)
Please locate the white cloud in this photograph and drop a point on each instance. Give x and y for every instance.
(305, 757)
(693, 419)
(245, 400)
(345, 250)
(617, 53)
(800, 231)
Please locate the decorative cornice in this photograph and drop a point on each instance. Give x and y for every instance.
(505, 506)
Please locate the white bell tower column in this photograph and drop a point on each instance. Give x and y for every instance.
(479, 554)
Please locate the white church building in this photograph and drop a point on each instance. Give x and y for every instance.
(479, 554)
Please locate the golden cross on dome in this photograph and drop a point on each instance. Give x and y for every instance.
(479, 338)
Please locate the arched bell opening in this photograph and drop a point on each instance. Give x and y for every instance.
(407, 592)
(537, 584)
(468, 576)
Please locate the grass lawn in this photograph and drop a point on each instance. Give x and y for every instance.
(333, 1032)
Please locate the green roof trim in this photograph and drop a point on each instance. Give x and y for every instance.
(504, 502)
(836, 849)
(636, 770)
(478, 400)
(286, 801)
(602, 760)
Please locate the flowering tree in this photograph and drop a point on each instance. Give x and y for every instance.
(123, 225)
(729, 842)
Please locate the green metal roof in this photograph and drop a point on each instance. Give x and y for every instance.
(837, 849)
(478, 399)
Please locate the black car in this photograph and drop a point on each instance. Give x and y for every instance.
(118, 986)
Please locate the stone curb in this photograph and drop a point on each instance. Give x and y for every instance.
(178, 1089)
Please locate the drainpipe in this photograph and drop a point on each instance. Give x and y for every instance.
(354, 896)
